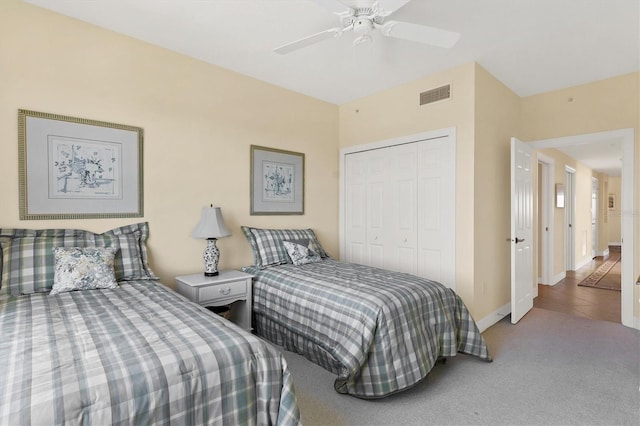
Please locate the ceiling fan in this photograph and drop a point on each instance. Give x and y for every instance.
(364, 16)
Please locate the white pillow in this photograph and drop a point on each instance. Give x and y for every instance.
(83, 268)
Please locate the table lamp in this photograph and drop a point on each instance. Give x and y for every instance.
(211, 227)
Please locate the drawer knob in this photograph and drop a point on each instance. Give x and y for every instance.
(226, 290)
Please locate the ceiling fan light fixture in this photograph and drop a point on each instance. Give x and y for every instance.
(362, 26)
(365, 16)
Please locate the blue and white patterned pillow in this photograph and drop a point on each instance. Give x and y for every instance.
(83, 268)
(300, 254)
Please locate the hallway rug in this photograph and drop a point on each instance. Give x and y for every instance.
(596, 278)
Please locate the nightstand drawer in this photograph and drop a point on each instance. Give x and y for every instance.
(223, 291)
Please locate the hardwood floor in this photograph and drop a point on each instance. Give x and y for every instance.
(568, 297)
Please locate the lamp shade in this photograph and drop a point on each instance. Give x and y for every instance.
(211, 224)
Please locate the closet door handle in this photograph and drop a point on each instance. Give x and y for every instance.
(519, 240)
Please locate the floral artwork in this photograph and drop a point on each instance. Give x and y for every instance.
(81, 168)
(77, 168)
(279, 181)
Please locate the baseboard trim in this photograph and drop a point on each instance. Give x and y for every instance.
(494, 317)
(585, 262)
(557, 278)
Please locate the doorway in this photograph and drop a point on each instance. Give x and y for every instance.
(595, 227)
(626, 137)
(546, 206)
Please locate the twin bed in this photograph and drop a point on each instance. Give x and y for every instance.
(135, 352)
(379, 331)
(138, 353)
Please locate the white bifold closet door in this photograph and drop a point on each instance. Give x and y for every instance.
(400, 208)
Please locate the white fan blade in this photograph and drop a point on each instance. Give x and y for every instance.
(390, 6)
(334, 6)
(420, 33)
(308, 41)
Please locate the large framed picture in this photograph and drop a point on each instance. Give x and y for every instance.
(277, 181)
(74, 168)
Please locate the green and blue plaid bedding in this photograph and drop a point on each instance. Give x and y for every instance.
(379, 331)
(137, 354)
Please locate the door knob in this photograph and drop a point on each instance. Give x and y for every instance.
(519, 240)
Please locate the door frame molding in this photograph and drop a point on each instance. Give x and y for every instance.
(595, 239)
(627, 137)
(569, 218)
(547, 195)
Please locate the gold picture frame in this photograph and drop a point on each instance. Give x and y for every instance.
(76, 168)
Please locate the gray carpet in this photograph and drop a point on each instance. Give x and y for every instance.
(551, 368)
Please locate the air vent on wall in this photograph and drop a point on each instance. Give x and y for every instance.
(435, 95)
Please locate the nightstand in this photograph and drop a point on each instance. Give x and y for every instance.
(224, 289)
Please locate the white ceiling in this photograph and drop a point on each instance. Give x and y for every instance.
(604, 157)
(532, 46)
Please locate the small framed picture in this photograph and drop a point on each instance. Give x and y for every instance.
(277, 181)
(611, 202)
(560, 195)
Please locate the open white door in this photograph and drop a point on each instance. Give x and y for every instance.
(521, 229)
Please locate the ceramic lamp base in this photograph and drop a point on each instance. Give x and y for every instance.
(211, 258)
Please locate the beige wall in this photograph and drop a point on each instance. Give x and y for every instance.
(603, 219)
(582, 226)
(614, 226)
(396, 112)
(497, 119)
(199, 121)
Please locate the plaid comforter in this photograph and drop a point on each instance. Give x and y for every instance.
(138, 354)
(379, 331)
